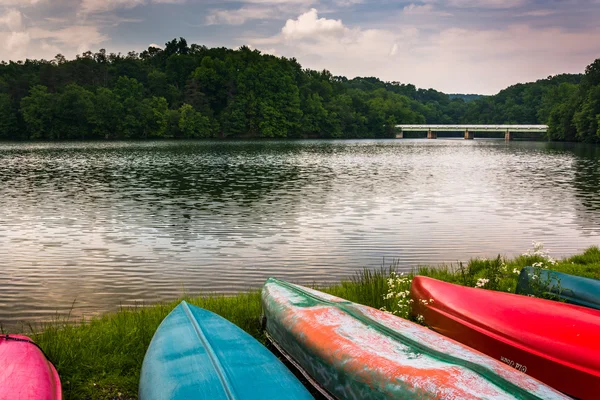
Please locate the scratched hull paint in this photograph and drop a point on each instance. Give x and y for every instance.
(568, 288)
(196, 354)
(357, 352)
(554, 342)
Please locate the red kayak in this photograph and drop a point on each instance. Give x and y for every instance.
(557, 343)
(25, 373)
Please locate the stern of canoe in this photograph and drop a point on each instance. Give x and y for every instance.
(559, 286)
(290, 333)
(196, 354)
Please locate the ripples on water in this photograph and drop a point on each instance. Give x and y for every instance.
(99, 225)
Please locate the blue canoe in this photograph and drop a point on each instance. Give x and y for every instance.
(196, 354)
(568, 288)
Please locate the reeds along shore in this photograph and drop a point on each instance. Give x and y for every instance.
(101, 358)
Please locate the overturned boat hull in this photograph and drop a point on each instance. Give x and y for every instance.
(554, 342)
(196, 354)
(357, 352)
(559, 286)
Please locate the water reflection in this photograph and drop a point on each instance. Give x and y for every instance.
(104, 224)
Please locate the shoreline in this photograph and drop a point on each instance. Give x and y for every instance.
(101, 358)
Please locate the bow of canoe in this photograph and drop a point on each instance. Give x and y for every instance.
(25, 373)
(196, 354)
(354, 351)
(568, 288)
(554, 342)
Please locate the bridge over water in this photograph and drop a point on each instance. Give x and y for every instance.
(470, 130)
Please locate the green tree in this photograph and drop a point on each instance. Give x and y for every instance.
(9, 126)
(160, 87)
(74, 112)
(586, 119)
(587, 115)
(234, 121)
(194, 96)
(212, 77)
(38, 113)
(192, 124)
(557, 109)
(108, 115)
(131, 95)
(155, 117)
(129, 88)
(315, 118)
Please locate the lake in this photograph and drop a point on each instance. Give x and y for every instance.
(88, 227)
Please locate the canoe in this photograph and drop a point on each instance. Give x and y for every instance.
(356, 352)
(554, 342)
(196, 354)
(25, 372)
(557, 285)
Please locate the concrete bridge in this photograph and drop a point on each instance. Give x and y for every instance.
(470, 130)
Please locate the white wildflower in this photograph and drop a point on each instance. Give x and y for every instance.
(481, 282)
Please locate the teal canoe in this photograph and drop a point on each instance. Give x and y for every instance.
(353, 351)
(196, 354)
(560, 286)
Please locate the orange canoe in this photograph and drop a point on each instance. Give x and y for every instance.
(356, 352)
(554, 342)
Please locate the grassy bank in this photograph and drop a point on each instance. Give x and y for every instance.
(101, 358)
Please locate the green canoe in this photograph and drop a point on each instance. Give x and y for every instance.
(351, 351)
(557, 285)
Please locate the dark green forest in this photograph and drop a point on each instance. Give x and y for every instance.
(185, 91)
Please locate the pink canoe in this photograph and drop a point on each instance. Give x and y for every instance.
(25, 373)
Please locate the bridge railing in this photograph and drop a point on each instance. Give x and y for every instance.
(474, 128)
(469, 130)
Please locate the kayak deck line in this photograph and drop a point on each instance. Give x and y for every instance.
(348, 308)
(211, 354)
(324, 392)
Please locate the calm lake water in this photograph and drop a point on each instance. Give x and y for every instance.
(98, 225)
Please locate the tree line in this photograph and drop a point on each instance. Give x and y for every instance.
(193, 91)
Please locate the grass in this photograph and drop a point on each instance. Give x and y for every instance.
(101, 358)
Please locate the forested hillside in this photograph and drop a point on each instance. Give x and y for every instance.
(192, 91)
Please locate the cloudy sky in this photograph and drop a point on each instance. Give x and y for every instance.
(466, 46)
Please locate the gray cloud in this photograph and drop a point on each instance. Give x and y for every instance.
(20, 3)
(451, 45)
(240, 16)
(452, 59)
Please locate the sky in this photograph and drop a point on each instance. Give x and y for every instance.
(455, 46)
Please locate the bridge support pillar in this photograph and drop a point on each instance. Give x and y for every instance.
(400, 134)
(469, 135)
(508, 136)
(431, 135)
